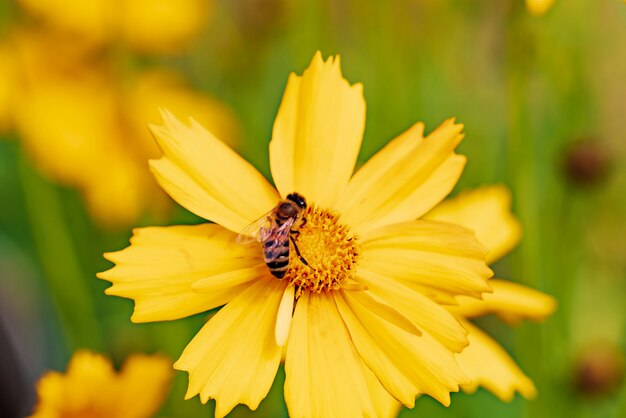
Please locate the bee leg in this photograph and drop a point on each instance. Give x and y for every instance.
(302, 222)
(295, 246)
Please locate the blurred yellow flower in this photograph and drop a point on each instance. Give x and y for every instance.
(53, 91)
(91, 20)
(8, 87)
(92, 389)
(539, 7)
(486, 211)
(358, 314)
(164, 26)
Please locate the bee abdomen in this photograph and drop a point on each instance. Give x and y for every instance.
(278, 264)
(277, 259)
(279, 245)
(278, 267)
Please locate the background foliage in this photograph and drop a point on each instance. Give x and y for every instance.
(543, 100)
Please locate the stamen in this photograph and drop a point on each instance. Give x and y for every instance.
(329, 249)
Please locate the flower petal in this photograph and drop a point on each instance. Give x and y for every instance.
(486, 211)
(386, 405)
(429, 254)
(405, 179)
(317, 133)
(234, 357)
(538, 7)
(161, 266)
(324, 375)
(144, 383)
(486, 362)
(385, 311)
(405, 364)
(207, 177)
(509, 300)
(419, 309)
(284, 316)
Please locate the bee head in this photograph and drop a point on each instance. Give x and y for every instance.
(297, 199)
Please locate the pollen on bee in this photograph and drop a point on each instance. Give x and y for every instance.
(329, 248)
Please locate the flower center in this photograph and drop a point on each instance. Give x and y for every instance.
(329, 249)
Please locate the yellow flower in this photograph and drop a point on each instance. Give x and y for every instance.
(92, 389)
(8, 87)
(487, 212)
(55, 92)
(365, 291)
(539, 7)
(164, 26)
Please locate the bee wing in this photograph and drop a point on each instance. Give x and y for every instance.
(278, 236)
(258, 230)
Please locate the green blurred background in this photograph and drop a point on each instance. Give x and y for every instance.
(543, 100)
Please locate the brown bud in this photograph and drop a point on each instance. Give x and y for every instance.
(599, 370)
(258, 18)
(586, 162)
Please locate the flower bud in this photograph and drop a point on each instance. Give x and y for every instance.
(599, 370)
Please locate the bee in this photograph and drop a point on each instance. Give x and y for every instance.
(274, 230)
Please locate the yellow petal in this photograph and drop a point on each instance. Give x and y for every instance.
(207, 177)
(539, 7)
(79, 119)
(486, 211)
(50, 393)
(145, 381)
(404, 363)
(510, 300)
(164, 26)
(161, 266)
(9, 86)
(424, 312)
(79, 389)
(234, 357)
(405, 179)
(385, 311)
(317, 133)
(92, 20)
(486, 362)
(284, 316)
(324, 375)
(386, 405)
(429, 254)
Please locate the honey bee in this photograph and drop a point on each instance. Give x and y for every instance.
(274, 230)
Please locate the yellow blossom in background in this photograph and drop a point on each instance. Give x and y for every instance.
(95, 135)
(8, 87)
(81, 120)
(163, 26)
(91, 388)
(90, 20)
(369, 325)
(160, 88)
(539, 7)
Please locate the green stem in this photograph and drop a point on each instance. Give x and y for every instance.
(59, 263)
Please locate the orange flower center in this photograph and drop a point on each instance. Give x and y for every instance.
(328, 247)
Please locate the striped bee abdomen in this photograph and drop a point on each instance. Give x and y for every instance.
(276, 255)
